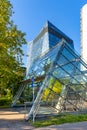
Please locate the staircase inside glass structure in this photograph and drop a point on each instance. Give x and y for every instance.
(61, 78)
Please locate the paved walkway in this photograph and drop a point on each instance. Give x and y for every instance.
(13, 119)
(73, 126)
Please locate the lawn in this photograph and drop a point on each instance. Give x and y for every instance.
(61, 119)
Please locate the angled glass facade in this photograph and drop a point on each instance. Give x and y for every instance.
(64, 85)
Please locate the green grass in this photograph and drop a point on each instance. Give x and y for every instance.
(61, 120)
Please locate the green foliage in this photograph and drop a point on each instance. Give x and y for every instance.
(5, 101)
(27, 93)
(61, 119)
(11, 41)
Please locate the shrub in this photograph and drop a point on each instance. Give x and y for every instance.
(5, 101)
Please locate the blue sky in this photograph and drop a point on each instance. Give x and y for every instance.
(31, 15)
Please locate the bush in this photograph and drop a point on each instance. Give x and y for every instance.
(5, 101)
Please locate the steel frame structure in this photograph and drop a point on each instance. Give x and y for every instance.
(60, 68)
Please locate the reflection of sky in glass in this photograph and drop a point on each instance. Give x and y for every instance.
(66, 68)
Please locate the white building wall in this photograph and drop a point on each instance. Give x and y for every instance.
(83, 32)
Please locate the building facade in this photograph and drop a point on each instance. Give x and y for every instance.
(83, 32)
(48, 37)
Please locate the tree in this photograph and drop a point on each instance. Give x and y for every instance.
(11, 41)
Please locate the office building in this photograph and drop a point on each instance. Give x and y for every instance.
(48, 37)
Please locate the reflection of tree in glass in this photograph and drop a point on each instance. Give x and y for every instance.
(47, 66)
